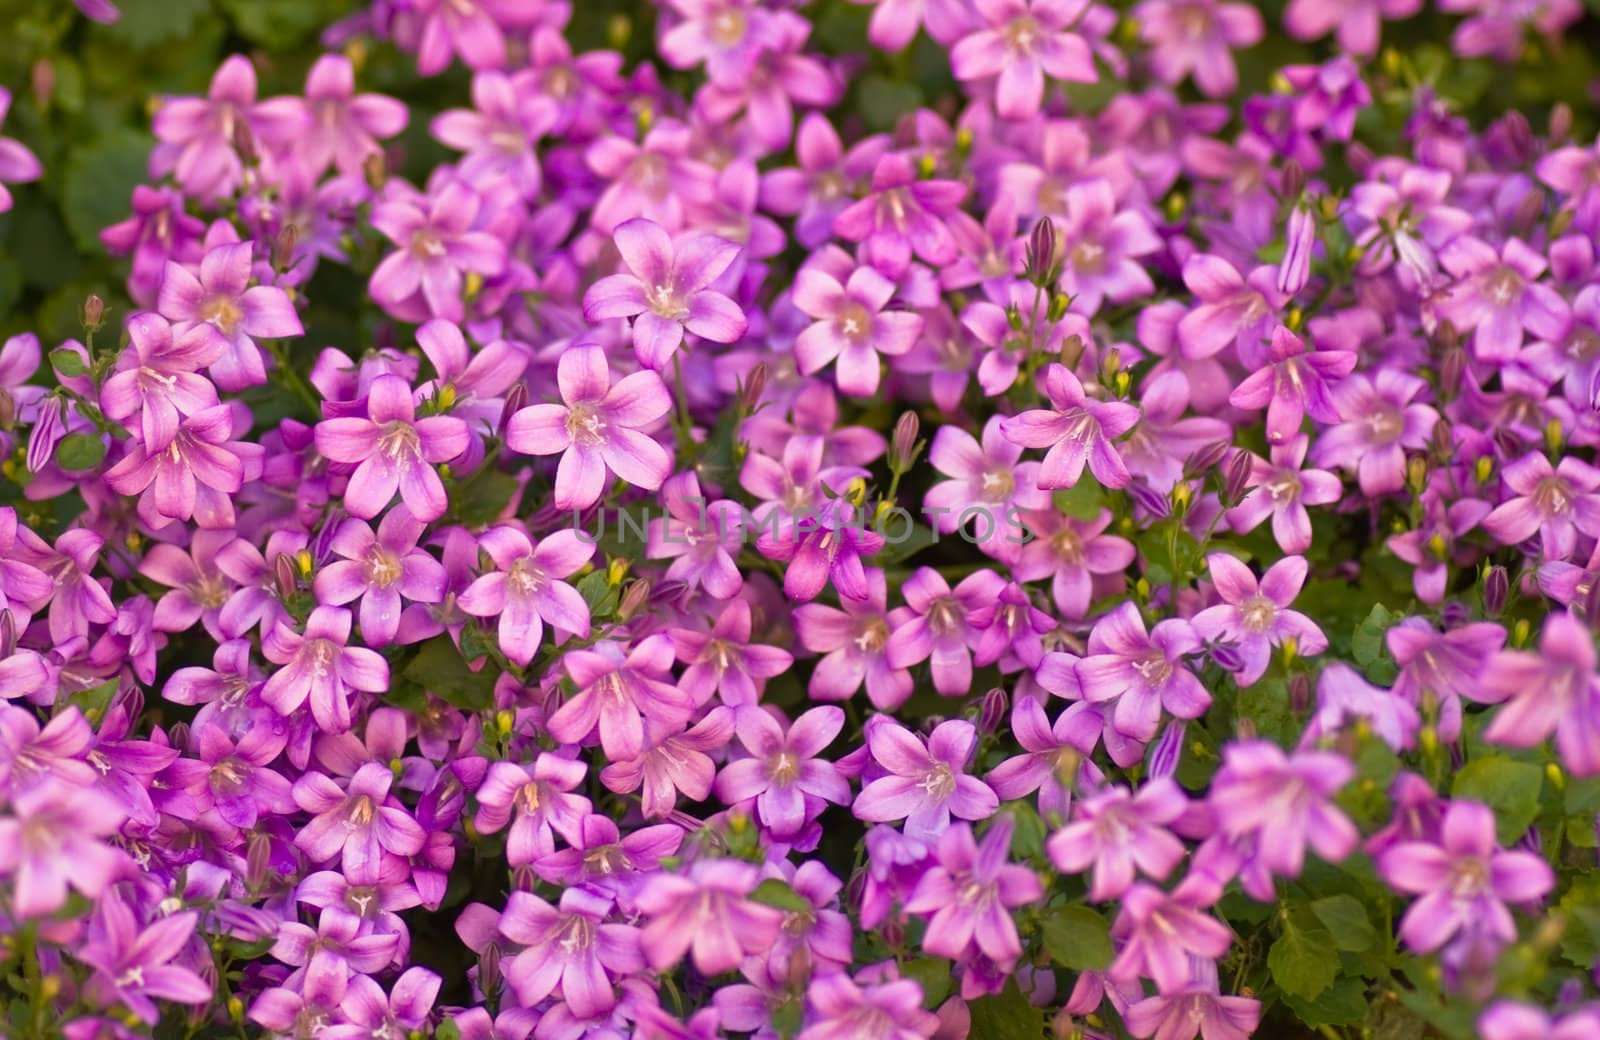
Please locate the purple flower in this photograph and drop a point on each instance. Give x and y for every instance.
(1073, 554)
(1116, 832)
(379, 569)
(987, 483)
(846, 1011)
(527, 590)
(1357, 21)
(406, 1009)
(968, 893)
(198, 136)
(319, 666)
(1103, 248)
(1282, 490)
(241, 786)
(542, 801)
(344, 125)
(466, 27)
(1507, 1020)
(194, 476)
(1142, 671)
(356, 825)
(1497, 296)
(509, 115)
(1159, 931)
(1284, 803)
(1025, 40)
(705, 913)
(666, 290)
(1378, 425)
(225, 315)
(851, 328)
(1405, 223)
(439, 245)
(51, 839)
(392, 449)
(1438, 669)
(1233, 309)
(1254, 617)
(1293, 383)
(1553, 690)
(723, 661)
(617, 691)
(1197, 37)
(1078, 431)
(673, 760)
(702, 539)
(1430, 548)
(598, 427)
(17, 164)
(1197, 1007)
(818, 190)
(854, 641)
(1053, 755)
(820, 546)
(926, 782)
(157, 378)
(571, 952)
(326, 955)
(783, 775)
(1497, 28)
(1345, 698)
(940, 627)
(902, 215)
(1465, 880)
(1555, 502)
(133, 964)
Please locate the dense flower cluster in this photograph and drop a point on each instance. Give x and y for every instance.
(1129, 566)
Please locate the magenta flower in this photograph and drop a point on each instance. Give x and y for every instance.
(1293, 383)
(705, 913)
(598, 428)
(723, 661)
(499, 132)
(667, 290)
(1282, 490)
(133, 963)
(439, 244)
(1076, 555)
(1198, 1006)
(355, 825)
(1284, 803)
(1356, 21)
(1438, 669)
(194, 475)
(1025, 40)
(241, 785)
(939, 626)
(1103, 247)
(854, 641)
(326, 956)
(674, 760)
(1507, 1020)
(968, 893)
(926, 782)
(528, 589)
(1143, 672)
(1233, 309)
(1465, 880)
(379, 569)
(821, 546)
(198, 136)
(1254, 617)
(851, 326)
(157, 378)
(902, 215)
(1159, 931)
(1197, 37)
(1379, 424)
(1052, 754)
(469, 28)
(701, 538)
(571, 952)
(320, 667)
(51, 840)
(17, 164)
(1556, 502)
(1497, 296)
(344, 126)
(542, 801)
(846, 1011)
(1116, 832)
(1553, 690)
(818, 190)
(617, 691)
(988, 485)
(392, 450)
(783, 775)
(1078, 431)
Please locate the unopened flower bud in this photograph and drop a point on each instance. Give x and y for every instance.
(1554, 437)
(1496, 589)
(1245, 728)
(992, 710)
(43, 78)
(8, 634)
(1295, 268)
(283, 247)
(1521, 633)
(516, 400)
(1560, 125)
(800, 967)
(1483, 469)
(1591, 605)
(1072, 349)
(1358, 157)
(894, 933)
(523, 879)
(1518, 135)
(1110, 365)
(1528, 213)
(1238, 475)
(903, 447)
(94, 313)
(1168, 750)
(1228, 658)
(1206, 459)
(1299, 692)
(244, 142)
(634, 599)
(489, 969)
(753, 387)
(258, 860)
(376, 170)
(1416, 474)
(1294, 180)
(8, 409)
(1042, 265)
(283, 572)
(47, 433)
(1149, 499)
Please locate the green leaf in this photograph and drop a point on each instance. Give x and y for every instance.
(439, 667)
(933, 975)
(447, 1030)
(483, 496)
(94, 701)
(1266, 703)
(80, 451)
(1078, 938)
(145, 23)
(1367, 644)
(277, 24)
(598, 593)
(1580, 942)
(1008, 1016)
(1346, 920)
(773, 892)
(68, 362)
(882, 101)
(1303, 961)
(1081, 501)
(99, 183)
(1509, 787)
(1342, 1004)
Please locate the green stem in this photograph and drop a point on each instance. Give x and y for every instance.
(296, 383)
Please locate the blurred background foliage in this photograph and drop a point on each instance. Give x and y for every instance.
(84, 93)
